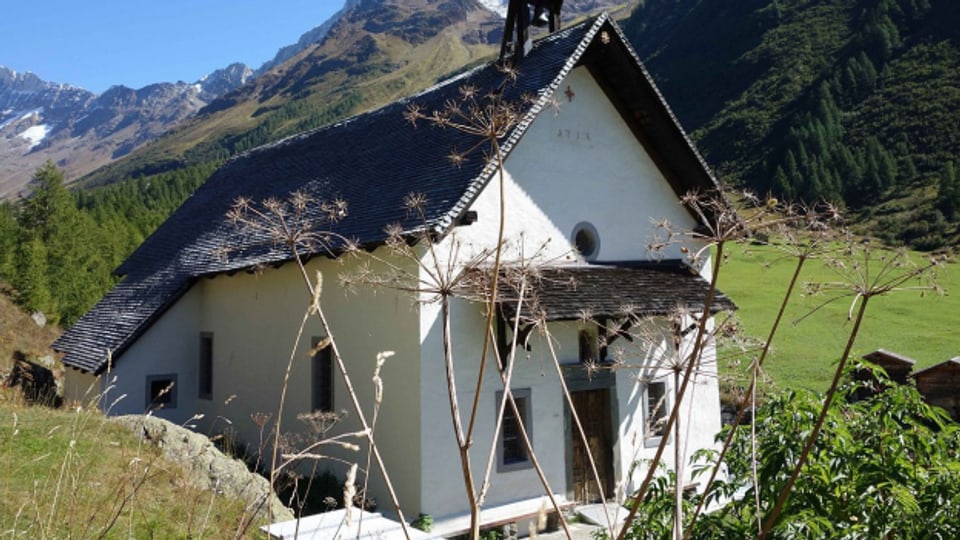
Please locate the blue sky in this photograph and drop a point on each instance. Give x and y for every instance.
(99, 43)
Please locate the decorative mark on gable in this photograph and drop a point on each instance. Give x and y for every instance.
(573, 134)
(569, 93)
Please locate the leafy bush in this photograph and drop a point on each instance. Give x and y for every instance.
(883, 467)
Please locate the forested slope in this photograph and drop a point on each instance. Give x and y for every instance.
(59, 247)
(854, 101)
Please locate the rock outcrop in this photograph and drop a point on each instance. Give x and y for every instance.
(208, 466)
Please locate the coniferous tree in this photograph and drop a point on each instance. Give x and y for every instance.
(31, 277)
(793, 172)
(48, 199)
(781, 185)
(9, 233)
(949, 192)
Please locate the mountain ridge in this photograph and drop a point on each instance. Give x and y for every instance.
(375, 52)
(80, 130)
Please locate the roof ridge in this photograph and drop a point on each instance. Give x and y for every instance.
(473, 190)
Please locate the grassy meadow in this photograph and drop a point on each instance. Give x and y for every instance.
(70, 472)
(920, 325)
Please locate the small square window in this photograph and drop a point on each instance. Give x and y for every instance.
(205, 367)
(322, 379)
(656, 409)
(161, 392)
(512, 450)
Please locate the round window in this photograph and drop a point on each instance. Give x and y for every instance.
(586, 240)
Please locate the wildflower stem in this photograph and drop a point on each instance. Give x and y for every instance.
(492, 301)
(741, 411)
(812, 438)
(462, 445)
(692, 360)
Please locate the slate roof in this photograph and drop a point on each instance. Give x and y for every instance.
(372, 161)
(566, 293)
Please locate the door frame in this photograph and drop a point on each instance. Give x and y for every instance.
(578, 380)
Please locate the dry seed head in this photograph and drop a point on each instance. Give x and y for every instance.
(413, 113)
(468, 91)
(457, 158)
(299, 200)
(414, 201)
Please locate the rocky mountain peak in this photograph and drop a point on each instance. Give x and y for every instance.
(223, 80)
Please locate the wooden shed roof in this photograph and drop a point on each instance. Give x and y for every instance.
(952, 364)
(882, 356)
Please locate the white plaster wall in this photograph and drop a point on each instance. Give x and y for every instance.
(444, 493)
(643, 360)
(653, 360)
(255, 320)
(170, 346)
(580, 164)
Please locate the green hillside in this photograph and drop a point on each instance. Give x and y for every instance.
(918, 323)
(852, 101)
(383, 51)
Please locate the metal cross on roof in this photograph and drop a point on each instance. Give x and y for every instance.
(516, 31)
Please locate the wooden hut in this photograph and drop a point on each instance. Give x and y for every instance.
(940, 385)
(897, 366)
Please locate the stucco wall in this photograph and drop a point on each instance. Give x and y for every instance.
(651, 358)
(580, 164)
(442, 478)
(167, 347)
(255, 320)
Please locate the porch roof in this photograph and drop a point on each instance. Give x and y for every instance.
(610, 291)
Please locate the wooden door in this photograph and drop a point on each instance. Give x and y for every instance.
(593, 408)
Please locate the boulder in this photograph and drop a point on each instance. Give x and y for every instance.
(208, 467)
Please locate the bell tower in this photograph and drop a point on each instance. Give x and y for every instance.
(516, 31)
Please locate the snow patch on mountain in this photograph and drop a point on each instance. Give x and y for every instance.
(6, 118)
(497, 6)
(35, 134)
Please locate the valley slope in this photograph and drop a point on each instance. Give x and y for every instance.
(853, 101)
